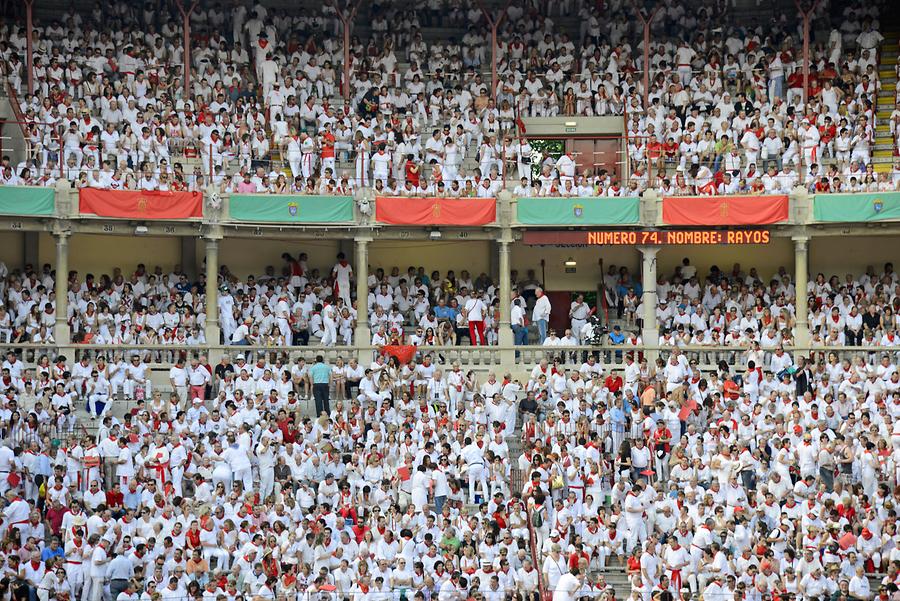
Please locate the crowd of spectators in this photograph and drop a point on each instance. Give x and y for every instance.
(264, 112)
(425, 481)
(294, 304)
(748, 309)
(257, 477)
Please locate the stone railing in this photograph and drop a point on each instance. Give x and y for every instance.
(479, 358)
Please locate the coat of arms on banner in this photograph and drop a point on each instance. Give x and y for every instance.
(878, 205)
(293, 209)
(578, 210)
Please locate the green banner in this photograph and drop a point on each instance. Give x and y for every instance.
(880, 206)
(281, 208)
(579, 211)
(26, 200)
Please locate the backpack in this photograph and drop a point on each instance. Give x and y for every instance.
(537, 519)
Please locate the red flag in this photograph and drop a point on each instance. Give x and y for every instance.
(725, 210)
(141, 204)
(435, 211)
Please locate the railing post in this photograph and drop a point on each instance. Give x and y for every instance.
(29, 45)
(66, 198)
(346, 17)
(650, 211)
(646, 21)
(806, 16)
(186, 48)
(364, 206)
(494, 23)
(801, 205)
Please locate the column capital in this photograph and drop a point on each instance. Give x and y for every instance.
(801, 242)
(212, 233)
(363, 239)
(649, 250)
(61, 230)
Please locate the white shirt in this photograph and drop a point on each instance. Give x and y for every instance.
(566, 587)
(541, 309)
(517, 316)
(475, 309)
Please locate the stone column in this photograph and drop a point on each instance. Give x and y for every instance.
(505, 333)
(362, 335)
(801, 279)
(212, 330)
(61, 328)
(650, 330)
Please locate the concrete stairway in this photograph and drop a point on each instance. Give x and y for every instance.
(884, 153)
(617, 578)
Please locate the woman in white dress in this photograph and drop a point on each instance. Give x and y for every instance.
(362, 160)
(452, 160)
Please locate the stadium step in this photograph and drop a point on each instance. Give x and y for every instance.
(885, 145)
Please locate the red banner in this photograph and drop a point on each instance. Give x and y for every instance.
(724, 210)
(141, 204)
(435, 211)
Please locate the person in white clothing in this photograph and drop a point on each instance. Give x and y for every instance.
(329, 325)
(473, 455)
(568, 585)
(541, 314)
(307, 156)
(475, 310)
(578, 313)
(99, 559)
(295, 153)
(566, 168)
(342, 273)
(137, 382)
(98, 395)
(456, 388)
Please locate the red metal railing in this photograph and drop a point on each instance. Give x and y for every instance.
(535, 555)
